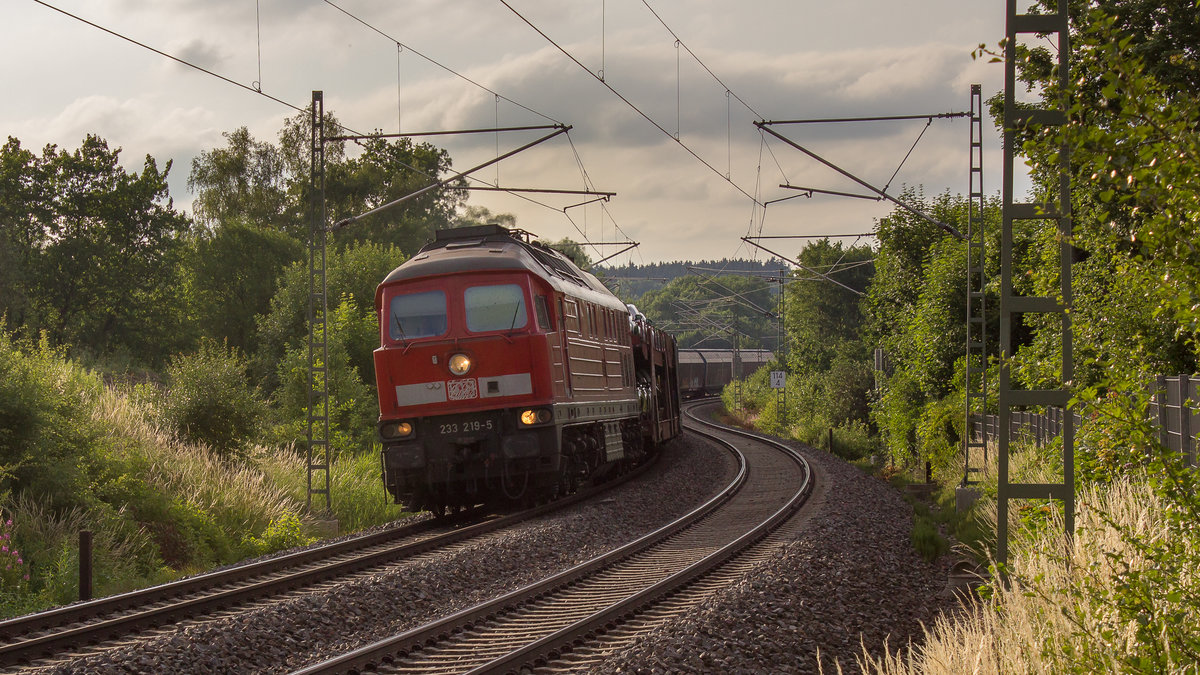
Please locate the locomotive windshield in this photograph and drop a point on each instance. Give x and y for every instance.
(418, 315)
(495, 308)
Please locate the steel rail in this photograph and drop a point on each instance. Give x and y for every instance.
(97, 620)
(552, 646)
(385, 653)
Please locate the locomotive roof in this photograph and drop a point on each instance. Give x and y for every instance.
(495, 248)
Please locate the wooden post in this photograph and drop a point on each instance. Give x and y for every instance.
(85, 565)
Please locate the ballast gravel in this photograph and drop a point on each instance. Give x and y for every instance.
(306, 628)
(849, 579)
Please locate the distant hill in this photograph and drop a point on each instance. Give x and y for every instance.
(631, 282)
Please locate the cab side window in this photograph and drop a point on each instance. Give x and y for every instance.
(542, 311)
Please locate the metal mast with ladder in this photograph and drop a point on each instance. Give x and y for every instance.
(1012, 305)
(975, 454)
(318, 456)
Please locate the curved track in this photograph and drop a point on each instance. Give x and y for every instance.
(574, 611)
(88, 625)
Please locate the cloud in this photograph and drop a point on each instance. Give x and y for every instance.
(201, 53)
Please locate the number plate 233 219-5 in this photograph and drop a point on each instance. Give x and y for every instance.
(466, 426)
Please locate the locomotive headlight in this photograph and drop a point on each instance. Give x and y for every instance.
(396, 430)
(535, 416)
(460, 364)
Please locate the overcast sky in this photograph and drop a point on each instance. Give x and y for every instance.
(786, 59)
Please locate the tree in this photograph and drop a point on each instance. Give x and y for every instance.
(24, 199)
(573, 250)
(824, 319)
(482, 215)
(231, 275)
(386, 171)
(352, 277)
(107, 248)
(706, 312)
(244, 182)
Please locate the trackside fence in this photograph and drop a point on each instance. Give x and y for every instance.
(1174, 410)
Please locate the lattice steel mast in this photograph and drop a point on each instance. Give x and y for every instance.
(975, 398)
(1012, 305)
(318, 455)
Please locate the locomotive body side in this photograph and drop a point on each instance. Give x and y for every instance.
(504, 373)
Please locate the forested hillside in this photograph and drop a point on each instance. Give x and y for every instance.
(632, 281)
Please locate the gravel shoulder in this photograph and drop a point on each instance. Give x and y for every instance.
(849, 580)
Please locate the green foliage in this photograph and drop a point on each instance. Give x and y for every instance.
(352, 275)
(896, 414)
(354, 403)
(573, 250)
(472, 216)
(634, 281)
(384, 171)
(231, 274)
(824, 320)
(283, 533)
(123, 556)
(926, 539)
(14, 571)
(359, 500)
(209, 400)
(243, 182)
(50, 447)
(93, 251)
(940, 431)
(701, 311)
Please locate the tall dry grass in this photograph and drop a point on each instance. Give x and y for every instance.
(358, 497)
(1052, 617)
(239, 496)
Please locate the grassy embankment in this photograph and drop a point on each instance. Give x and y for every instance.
(77, 454)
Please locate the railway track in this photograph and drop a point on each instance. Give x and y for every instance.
(574, 618)
(90, 626)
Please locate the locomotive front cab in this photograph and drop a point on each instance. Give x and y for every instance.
(464, 394)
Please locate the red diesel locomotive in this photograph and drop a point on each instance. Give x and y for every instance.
(507, 374)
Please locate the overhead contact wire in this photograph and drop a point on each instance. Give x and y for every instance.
(436, 63)
(679, 42)
(624, 100)
(174, 58)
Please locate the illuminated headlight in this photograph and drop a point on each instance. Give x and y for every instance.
(396, 430)
(534, 416)
(460, 364)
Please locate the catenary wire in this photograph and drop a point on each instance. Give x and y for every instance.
(400, 45)
(681, 43)
(436, 63)
(264, 94)
(172, 57)
(625, 100)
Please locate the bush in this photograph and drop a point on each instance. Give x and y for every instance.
(14, 571)
(49, 443)
(354, 403)
(283, 533)
(209, 400)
